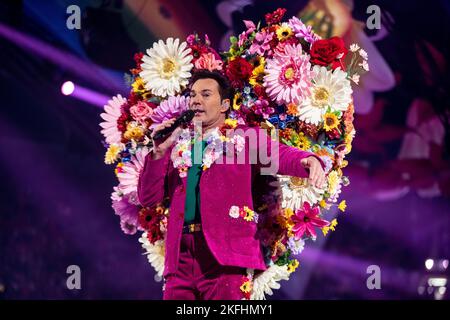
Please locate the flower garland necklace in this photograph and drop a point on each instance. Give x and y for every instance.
(216, 144)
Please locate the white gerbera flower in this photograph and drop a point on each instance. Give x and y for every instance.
(166, 67)
(330, 89)
(295, 191)
(111, 114)
(129, 176)
(155, 253)
(268, 280)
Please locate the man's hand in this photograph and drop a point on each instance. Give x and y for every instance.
(316, 173)
(160, 147)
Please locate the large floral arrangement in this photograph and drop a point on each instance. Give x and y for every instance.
(287, 80)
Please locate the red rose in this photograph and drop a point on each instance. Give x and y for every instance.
(328, 51)
(239, 71)
(275, 17)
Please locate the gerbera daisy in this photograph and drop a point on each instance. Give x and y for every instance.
(111, 115)
(288, 75)
(129, 176)
(128, 213)
(305, 221)
(166, 67)
(284, 32)
(330, 89)
(172, 107)
(295, 191)
(155, 253)
(330, 121)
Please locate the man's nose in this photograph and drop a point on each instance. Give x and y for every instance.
(195, 101)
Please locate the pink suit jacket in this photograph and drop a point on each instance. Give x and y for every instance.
(232, 241)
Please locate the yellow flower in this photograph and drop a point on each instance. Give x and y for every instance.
(342, 206)
(257, 74)
(147, 95)
(292, 109)
(284, 32)
(246, 286)
(333, 225)
(330, 121)
(249, 214)
(333, 180)
(303, 142)
(231, 123)
(293, 264)
(133, 133)
(237, 101)
(323, 203)
(288, 213)
(138, 86)
(112, 153)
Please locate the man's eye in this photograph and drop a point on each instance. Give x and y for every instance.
(206, 95)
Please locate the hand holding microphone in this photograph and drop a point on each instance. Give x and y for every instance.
(163, 136)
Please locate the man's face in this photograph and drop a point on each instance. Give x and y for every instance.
(206, 99)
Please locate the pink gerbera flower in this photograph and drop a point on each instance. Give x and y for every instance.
(128, 213)
(305, 220)
(111, 115)
(172, 107)
(129, 175)
(288, 76)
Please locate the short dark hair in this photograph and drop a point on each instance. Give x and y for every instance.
(225, 89)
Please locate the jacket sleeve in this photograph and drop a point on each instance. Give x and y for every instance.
(152, 179)
(288, 159)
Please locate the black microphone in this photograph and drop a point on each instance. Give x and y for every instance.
(185, 117)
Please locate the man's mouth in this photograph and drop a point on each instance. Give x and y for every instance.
(198, 112)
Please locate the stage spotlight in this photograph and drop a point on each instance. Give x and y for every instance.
(429, 264)
(67, 88)
(84, 94)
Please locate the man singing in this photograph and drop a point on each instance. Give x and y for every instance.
(209, 246)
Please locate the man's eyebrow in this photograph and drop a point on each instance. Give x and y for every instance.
(204, 90)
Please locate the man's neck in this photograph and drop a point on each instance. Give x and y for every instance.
(211, 127)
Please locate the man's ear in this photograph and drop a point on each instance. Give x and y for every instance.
(225, 105)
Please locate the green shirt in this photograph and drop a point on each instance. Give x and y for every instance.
(192, 205)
